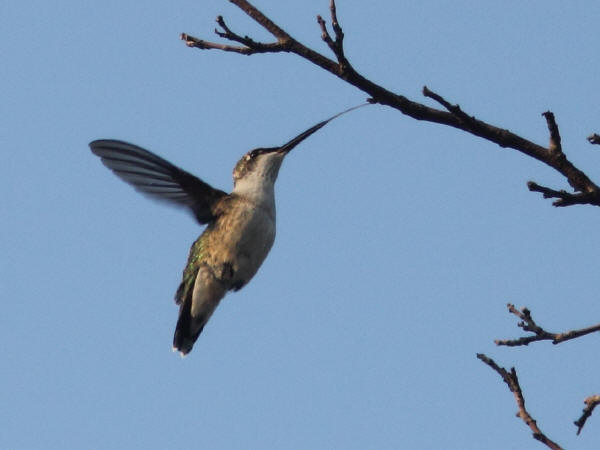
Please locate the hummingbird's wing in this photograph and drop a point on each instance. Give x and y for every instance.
(159, 179)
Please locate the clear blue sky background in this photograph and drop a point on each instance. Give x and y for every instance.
(399, 242)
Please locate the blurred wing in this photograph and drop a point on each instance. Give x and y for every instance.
(157, 178)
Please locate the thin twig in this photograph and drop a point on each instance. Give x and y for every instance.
(539, 334)
(590, 403)
(337, 29)
(511, 379)
(454, 109)
(258, 47)
(555, 145)
(565, 198)
(337, 45)
(594, 139)
(325, 33)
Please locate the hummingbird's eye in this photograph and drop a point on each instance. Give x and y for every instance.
(254, 153)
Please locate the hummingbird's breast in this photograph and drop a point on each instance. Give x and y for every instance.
(241, 238)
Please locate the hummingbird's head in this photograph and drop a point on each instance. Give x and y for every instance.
(260, 166)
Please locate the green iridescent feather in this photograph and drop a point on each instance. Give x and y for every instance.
(191, 270)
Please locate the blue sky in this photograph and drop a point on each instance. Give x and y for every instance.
(399, 242)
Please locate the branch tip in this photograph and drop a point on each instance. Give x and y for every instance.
(538, 333)
(594, 139)
(590, 403)
(512, 381)
(554, 145)
(337, 29)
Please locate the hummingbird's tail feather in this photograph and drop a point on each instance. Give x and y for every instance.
(196, 309)
(186, 333)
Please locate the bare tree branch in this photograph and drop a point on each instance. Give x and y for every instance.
(587, 191)
(539, 334)
(511, 379)
(337, 46)
(590, 403)
(564, 198)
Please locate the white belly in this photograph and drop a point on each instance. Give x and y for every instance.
(254, 245)
(243, 238)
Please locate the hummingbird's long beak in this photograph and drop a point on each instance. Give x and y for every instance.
(286, 148)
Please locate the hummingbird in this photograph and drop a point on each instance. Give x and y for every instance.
(240, 227)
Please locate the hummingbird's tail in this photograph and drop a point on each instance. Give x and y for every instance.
(196, 309)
